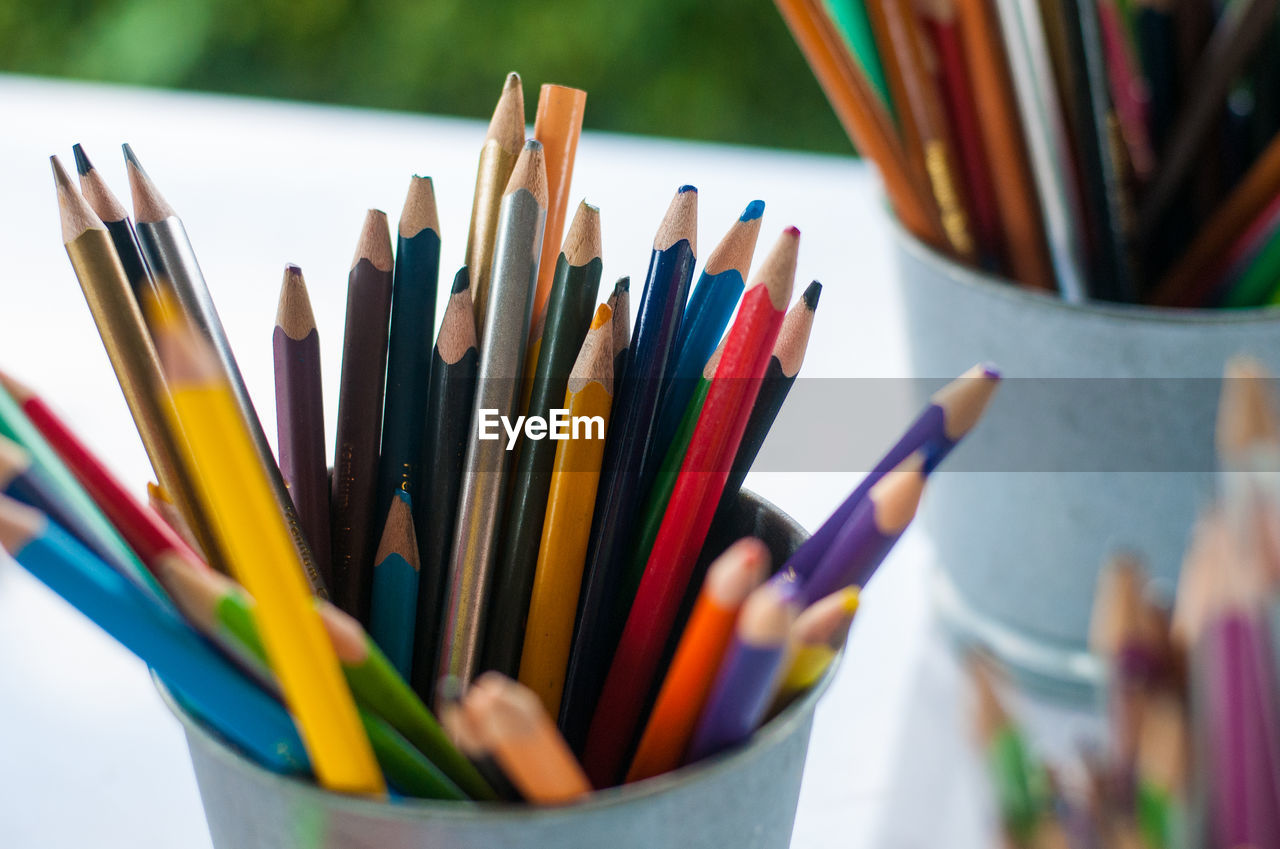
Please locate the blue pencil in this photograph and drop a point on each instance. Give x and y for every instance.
(214, 689)
(631, 426)
(394, 612)
(710, 306)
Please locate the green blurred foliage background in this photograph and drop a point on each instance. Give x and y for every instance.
(724, 70)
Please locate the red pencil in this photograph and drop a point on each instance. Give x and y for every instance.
(693, 502)
(149, 535)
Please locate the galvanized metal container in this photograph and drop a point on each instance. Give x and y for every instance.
(743, 798)
(1101, 437)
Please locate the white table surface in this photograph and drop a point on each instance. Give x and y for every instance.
(89, 755)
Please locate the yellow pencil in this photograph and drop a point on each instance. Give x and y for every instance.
(236, 492)
(567, 523)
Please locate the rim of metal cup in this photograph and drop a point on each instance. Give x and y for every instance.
(776, 729)
(993, 286)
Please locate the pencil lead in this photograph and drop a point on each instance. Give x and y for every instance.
(811, 295)
(754, 210)
(461, 281)
(83, 165)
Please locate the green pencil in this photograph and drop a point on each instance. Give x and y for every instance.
(852, 21)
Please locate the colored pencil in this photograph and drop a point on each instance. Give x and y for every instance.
(1129, 95)
(211, 686)
(1258, 281)
(566, 526)
(620, 303)
(621, 486)
(128, 344)
(502, 145)
(1163, 763)
(870, 533)
(1247, 201)
(1239, 32)
(468, 739)
(235, 488)
(711, 304)
(1016, 778)
(114, 217)
(951, 413)
(557, 125)
(567, 319)
(860, 112)
(512, 723)
(360, 395)
(413, 316)
(635, 668)
(922, 102)
(158, 501)
(395, 585)
(745, 682)
(851, 18)
(1047, 154)
(909, 134)
(517, 248)
(1020, 216)
(816, 638)
(680, 702)
(295, 346)
(454, 362)
(171, 258)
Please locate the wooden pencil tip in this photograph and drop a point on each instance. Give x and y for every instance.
(778, 271)
(738, 245)
(530, 173)
(896, 496)
(582, 243)
(375, 241)
(74, 211)
(680, 221)
(713, 361)
(19, 525)
(811, 295)
(397, 535)
(767, 616)
(507, 125)
(14, 460)
(149, 205)
(736, 572)
(1117, 604)
(458, 326)
(17, 390)
(965, 399)
(294, 315)
(827, 620)
(793, 338)
(1247, 418)
(83, 165)
(419, 211)
(595, 357)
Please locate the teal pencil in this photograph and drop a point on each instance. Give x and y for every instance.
(413, 318)
(395, 585)
(852, 21)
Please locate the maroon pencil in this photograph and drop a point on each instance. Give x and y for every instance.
(295, 345)
(356, 449)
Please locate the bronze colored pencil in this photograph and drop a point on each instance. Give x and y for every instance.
(557, 125)
(1006, 149)
(921, 100)
(517, 248)
(295, 346)
(170, 256)
(502, 144)
(129, 348)
(454, 364)
(108, 207)
(568, 315)
(355, 463)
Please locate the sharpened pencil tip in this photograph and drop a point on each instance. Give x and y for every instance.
(623, 285)
(754, 210)
(132, 158)
(680, 221)
(461, 281)
(811, 295)
(60, 176)
(83, 165)
(686, 188)
(149, 205)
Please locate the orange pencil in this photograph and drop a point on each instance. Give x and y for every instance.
(730, 580)
(1006, 149)
(557, 125)
(860, 112)
(509, 721)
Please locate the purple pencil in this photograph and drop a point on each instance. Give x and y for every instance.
(873, 528)
(951, 414)
(745, 682)
(295, 344)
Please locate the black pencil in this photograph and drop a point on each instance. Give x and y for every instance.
(620, 303)
(355, 464)
(450, 393)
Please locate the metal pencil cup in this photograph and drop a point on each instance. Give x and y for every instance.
(743, 798)
(1101, 438)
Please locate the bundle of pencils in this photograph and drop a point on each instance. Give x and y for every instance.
(1105, 150)
(566, 570)
(1193, 758)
